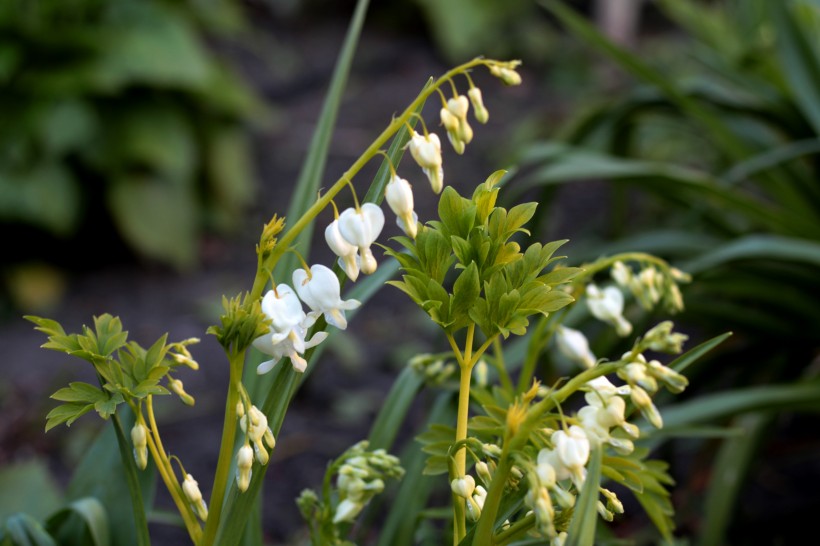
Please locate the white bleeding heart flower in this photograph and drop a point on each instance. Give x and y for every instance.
(321, 291)
(360, 227)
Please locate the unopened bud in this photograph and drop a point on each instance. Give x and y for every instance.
(191, 489)
(463, 486)
(244, 464)
(139, 437)
(177, 388)
(479, 111)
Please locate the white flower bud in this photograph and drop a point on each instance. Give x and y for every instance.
(479, 111)
(608, 305)
(191, 489)
(574, 345)
(463, 486)
(347, 510)
(399, 196)
(361, 228)
(244, 464)
(346, 252)
(139, 437)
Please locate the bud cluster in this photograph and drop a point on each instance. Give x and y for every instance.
(651, 286)
(254, 425)
(360, 477)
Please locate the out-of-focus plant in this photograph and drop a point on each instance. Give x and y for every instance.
(120, 108)
(717, 172)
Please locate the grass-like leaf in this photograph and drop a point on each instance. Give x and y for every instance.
(584, 521)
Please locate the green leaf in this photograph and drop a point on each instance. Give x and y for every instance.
(84, 521)
(80, 392)
(104, 474)
(66, 413)
(466, 291)
(109, 334)
(394, 409)
(157, 217)
(581, 530)
(150, 44)
(685, 360)
(47, 195)
(28, 486)
(801, 65)
(108, 406)
(24, 530)
(760, 247)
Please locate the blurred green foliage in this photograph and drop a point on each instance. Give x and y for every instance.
(713, 165)
(121, 108)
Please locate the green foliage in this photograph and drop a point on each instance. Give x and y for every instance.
(723, 155)
(496, 286)
(127, 371)
(125, 100)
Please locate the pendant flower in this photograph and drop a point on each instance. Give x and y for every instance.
(574, 345)
(426, 150)
(289, 325)
(346, 252)
(608, 305)
(321, 291)
(360, 227)
(399, 196)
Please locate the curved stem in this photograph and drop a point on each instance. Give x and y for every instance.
(169, 478)
(284, 243)
(223, 465)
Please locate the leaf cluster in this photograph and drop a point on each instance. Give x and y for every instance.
(126, 371)
(496, 285)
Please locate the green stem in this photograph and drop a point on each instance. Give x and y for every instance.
(167, 473)
(484, 528)
(515, 531)
(140, 522)
(374, 149)
(223, 466)
(531, 359)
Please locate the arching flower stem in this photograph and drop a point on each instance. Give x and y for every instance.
(296, 228)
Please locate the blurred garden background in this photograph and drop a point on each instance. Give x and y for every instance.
(143, 145)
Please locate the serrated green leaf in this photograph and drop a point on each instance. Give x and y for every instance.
(66, 413)
(466, 291)
(109, 334)
(106, 407)
(79, 392)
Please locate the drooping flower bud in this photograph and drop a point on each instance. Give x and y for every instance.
(608, 305)
(191, 489)
(244, 464)
(399, 195)
(360, 227)
(426, 151)
(479, 111)
(463, 486)
(177, 388)
(347, 253)
(574, 345)
(139, 437)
